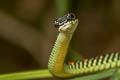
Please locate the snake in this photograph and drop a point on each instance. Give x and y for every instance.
(57, 65)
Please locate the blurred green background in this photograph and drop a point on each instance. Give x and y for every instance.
(27, 32)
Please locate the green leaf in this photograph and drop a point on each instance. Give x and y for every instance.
(27, 75)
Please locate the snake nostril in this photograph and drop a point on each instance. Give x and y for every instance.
(57, 25)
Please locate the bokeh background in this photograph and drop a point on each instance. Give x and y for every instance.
(27, 32)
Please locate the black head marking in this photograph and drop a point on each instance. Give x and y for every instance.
(62, 20)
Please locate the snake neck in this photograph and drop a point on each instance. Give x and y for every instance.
(58, 54)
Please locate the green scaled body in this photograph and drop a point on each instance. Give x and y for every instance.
(96, 64)
(57, 66)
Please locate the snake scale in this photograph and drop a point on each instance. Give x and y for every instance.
(57, 66)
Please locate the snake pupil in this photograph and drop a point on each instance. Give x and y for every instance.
(71, 16)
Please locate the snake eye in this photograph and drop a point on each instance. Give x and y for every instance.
(71, 16)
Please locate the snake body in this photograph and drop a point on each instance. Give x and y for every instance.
(66, 26)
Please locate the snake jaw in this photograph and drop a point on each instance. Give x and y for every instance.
(69, 27)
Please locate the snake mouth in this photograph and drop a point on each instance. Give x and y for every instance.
(69, 27)
(68, 18)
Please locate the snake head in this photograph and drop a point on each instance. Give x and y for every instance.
(67, 23)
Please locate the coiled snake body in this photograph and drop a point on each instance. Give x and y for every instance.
(66, 26)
